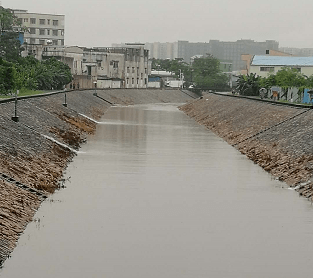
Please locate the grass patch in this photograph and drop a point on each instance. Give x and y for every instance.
(24, 92)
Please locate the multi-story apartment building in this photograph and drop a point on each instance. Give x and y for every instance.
(104, 67)
(42, 29)
(160, 50)
(303, 52)
(229, 51)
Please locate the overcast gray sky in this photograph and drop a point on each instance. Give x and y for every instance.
(101, 23)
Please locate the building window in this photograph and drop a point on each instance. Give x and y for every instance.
(270, 69)
(133, 69)
(62, 42)
(141, 75)
(32, 41)
(55, 22)
(127, 71)
(146, 71)
(42, 21)
(48, 21)
(133, 80)
(32, 30)
(55, 42)
(137, 81)
(54, 32)
(33, 21)
(62, 32)
(42, 42)
(42, 32)
(25, 19)
(48, 32)
(127, 80)
(114, 64)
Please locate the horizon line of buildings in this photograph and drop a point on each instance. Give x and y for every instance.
(127, 65)
(229, 51)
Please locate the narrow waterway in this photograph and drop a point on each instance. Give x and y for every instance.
(152, 195)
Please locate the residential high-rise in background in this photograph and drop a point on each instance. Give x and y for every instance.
(42, 28)
(224, 51)
(302, 52)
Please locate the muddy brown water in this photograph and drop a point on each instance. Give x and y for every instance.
(152, 194)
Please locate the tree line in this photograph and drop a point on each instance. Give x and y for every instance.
(18, 72)
(286, 78)
(203, 73)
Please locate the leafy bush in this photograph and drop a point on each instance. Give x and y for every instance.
(29, 73)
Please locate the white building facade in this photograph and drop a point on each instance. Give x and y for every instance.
(265, 65)
(104, 67)
(42, 29)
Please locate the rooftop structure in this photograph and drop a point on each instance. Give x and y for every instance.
(289, 61)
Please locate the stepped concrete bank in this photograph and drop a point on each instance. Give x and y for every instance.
(35, 151)
(276, 137)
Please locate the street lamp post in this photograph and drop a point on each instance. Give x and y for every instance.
(15, 118)
(65, 103)
(180, 79)
(95, 93)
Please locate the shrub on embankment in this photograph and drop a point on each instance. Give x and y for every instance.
(276, 137)
(29, 73)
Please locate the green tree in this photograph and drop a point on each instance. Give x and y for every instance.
(207, 74)
(268, 82)
(287, 78)
(176, 66)
(10, 46)
(7, 77)
(248, 85)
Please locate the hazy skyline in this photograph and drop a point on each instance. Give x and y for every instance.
(101, 23)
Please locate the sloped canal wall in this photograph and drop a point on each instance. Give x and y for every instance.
(35, 151)
(276, 137)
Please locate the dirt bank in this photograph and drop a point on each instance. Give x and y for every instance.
(276, 137)
(35, 151)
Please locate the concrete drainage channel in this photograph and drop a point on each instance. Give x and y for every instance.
(274, 135)
(4, 250)
(37, 145)
(35, 150)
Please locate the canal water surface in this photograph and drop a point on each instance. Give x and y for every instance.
(154, 195)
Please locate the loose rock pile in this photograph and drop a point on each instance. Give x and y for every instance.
(276, 137)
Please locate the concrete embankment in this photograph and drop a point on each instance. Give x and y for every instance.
(276, 137)
(35, 151)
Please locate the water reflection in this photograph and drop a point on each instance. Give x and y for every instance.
(155, 195)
